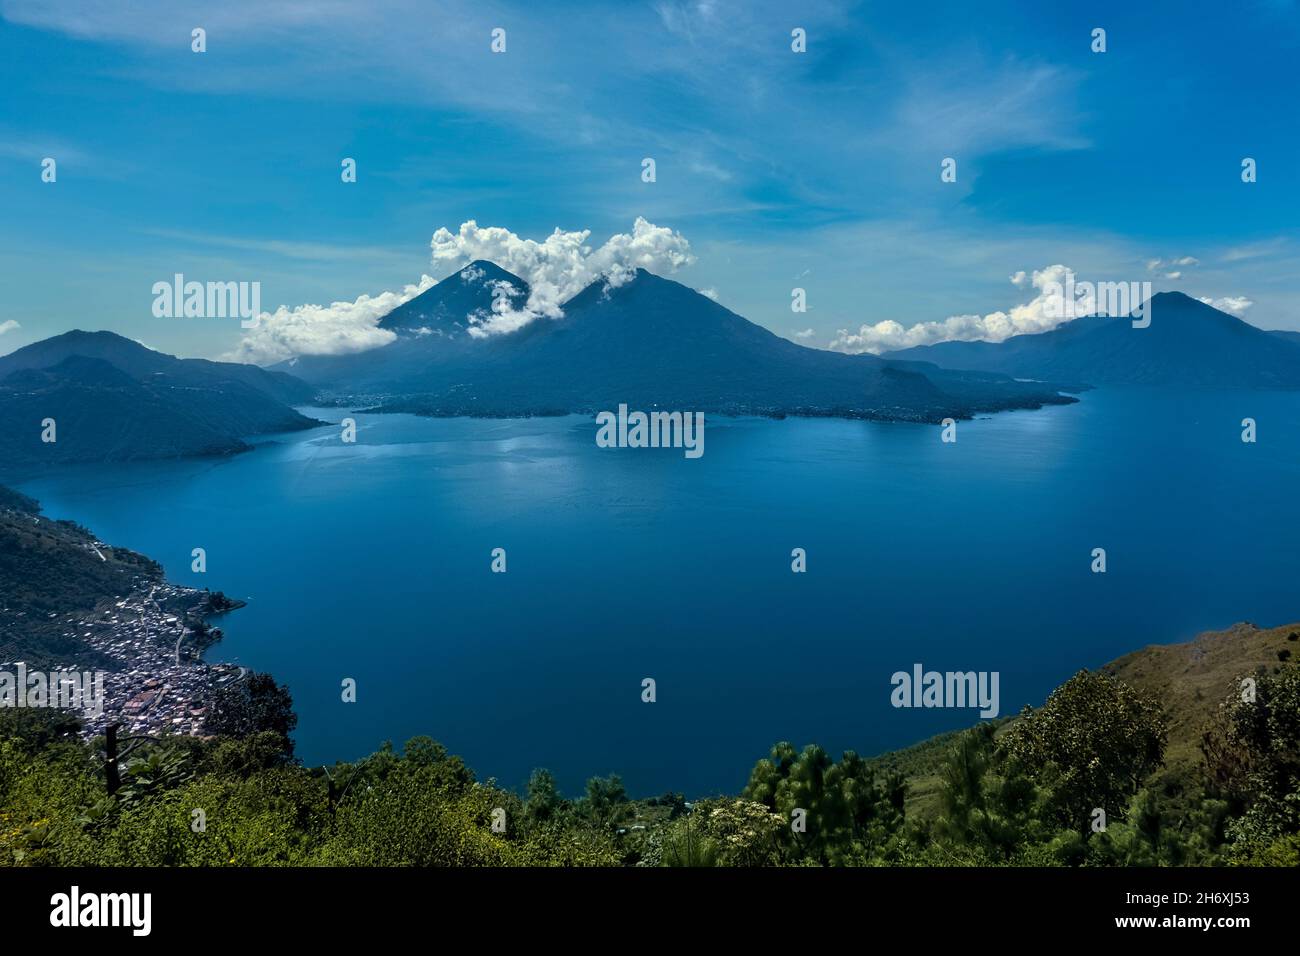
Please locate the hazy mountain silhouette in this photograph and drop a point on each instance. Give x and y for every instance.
(156, 407)
(1187, 343)
(139, 362)
(651, 342)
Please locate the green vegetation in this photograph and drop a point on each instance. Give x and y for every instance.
(51, 570)
(250, 706)
(11, 500)
(422, 807)
(57, 580)
(1160, 745)
(1030, 790)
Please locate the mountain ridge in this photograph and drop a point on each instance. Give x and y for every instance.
(135, 404)
(140, 360)
(1187, 343)
(652, 342)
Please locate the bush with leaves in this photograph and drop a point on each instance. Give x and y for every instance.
(745, 833)
(1094, 743)
(253, 705)
(1252, 757)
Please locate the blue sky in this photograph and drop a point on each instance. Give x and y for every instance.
(818, 170)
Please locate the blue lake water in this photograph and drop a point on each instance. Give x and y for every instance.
(371, 561)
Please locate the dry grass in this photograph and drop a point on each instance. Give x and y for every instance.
(1189, 680)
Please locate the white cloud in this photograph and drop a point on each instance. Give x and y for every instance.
(1232, 304)
(336, 329)
(1044, 312)
(709, 294)
(8, 326)
(1172, 268)
(36, 150)
(704, 168)
(804, 334)
(504, 317)
(558, 267)
(1255, 251)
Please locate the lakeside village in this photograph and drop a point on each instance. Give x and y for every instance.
(155, 681)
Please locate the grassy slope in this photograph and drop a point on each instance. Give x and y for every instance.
(1189, 680)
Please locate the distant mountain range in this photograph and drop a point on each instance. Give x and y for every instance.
(648, 342)
(141, 363)
(112, 399)
(1187, 343)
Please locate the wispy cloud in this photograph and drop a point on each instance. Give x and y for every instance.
(973, 108)
(707, 77)
(33, 149)
(306, 251)
(1255, 250)
(1172, 268)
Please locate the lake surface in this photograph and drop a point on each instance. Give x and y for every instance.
(372, 561)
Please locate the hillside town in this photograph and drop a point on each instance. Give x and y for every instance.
(157, 682)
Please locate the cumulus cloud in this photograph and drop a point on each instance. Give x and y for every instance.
(8, 326)
(804, 335)
(336, 329)
(505, 315)
(1044, 312)
(558, 267)
(1232, 304)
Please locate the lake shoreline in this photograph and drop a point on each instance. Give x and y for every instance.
(374, 556)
